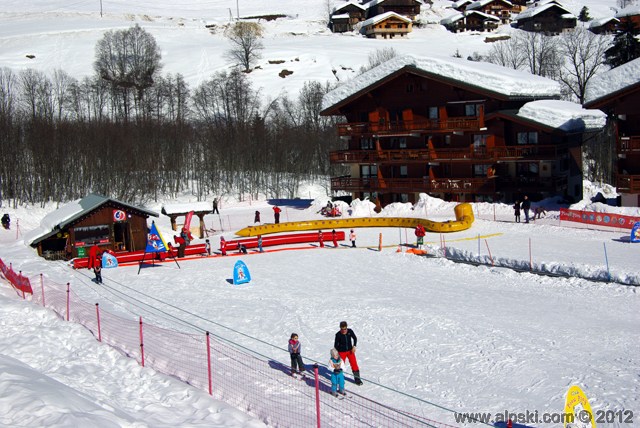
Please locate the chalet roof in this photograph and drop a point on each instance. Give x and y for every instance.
(68, 214)
(629, 11)
(482, 3)
(535, 10)
(481, 77)
(349, 4)
(602, 21)
(373, 3)
(451, 19)
(340, 16)
(458, 4)
(483, 15)
(611, 83)
(565, 116)
(383, 17)
(177, 209)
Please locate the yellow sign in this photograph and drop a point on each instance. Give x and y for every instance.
(578, 406)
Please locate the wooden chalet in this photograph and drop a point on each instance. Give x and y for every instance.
(548, 18)
(389, 25)
(617, 92)
(93, 220)
(461, 5)
(408, 8)
(604, 25)
(471, 20)
(345, 17)
(453, 129)
(501, 9)
(630, 13)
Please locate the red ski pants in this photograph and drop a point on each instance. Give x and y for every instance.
(351, 356)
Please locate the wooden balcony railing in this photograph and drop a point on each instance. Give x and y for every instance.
(532, 152)
(629, 144)
(408, 185)
(626, 183)
(409, 126)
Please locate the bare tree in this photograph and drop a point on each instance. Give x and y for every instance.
(542, 53)
(246, 44)
(507, 53)
(583, 53)
(378, 57)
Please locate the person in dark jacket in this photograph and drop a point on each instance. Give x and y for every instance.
(6, 221)
(345, 342)
(526, 206)
(516, 211)
(215, 206)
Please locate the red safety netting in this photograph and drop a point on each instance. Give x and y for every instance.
(258, 386)
(19, 282)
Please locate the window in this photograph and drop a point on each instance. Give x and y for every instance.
(368, 171)
(402, 142)
(527, 138)
(410, 87)
(404, 198)
(433, 112)
(90, 235)
(404, 171)
(480, 143)
(447, 139)
(366, 143)
(480, 170)
(472, 109)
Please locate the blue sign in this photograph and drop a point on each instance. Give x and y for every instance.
(109, 261)
(155, 242)
(635, 232)
(241, 273)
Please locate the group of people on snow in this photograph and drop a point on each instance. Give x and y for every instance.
(344, 349)
(525, 206)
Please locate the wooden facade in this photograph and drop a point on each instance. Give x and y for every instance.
(604, 26)
(344, 18)
(107, 223)
(413, 132)
(387, 26)
(408, 8)
(623, 108)
(501, 9)
(549, 18)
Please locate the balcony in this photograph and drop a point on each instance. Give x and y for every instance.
(629, 144)
(454, 124)
(409, 185)
(494, 154)
(626, 183)
(532, 184)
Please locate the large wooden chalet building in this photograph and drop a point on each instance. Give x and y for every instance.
(617, 92)
(458, 130)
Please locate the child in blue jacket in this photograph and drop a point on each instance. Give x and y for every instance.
(336, 365)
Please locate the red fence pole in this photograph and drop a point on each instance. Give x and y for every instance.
(42, 288)
(209, 363)
(98, 317)
(490, 258)
(315, 372)
(68, 301)
(141, 344)
(20, 276)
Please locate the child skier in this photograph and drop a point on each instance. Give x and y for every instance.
(296, 360)
(336, 365)
(352, 238)
(97, 270)
(207, 247)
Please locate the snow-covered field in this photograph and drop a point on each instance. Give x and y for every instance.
(463, 337)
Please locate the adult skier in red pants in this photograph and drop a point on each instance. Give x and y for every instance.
(345, 342)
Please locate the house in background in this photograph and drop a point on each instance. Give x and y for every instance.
(471, 20)
(345, 17)
(545, 17)
(501, 9)
(458, 130)
(461, 5)
(607, 25)
(630, 13)
(389, 25)
(408, 8)
(617, 92)
(72, 229)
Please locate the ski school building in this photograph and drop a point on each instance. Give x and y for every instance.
(71, 230)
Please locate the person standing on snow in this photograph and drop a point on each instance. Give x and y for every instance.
(352, 238)
(334, 238)
(516, 211)
(256, 218)
(215, 206)
(276, 214)
(223, 246)
(526, 206)
(295, 348)
(345, 342)
(420, 233)
(320, 239)
(260, 243)
(336, 366)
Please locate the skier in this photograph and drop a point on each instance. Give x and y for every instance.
(320, 240)
(276, 214)
(207, 246)
(260, 244)
(256, 218)
(336, 365)
(420, 233)
(215, 206)
(352, 238)
(180, 242)
(516, 211)
(295, 348)
(526, 206)
(6, 221)
(242, 249)
(334, 238)
(345, 342)
(97, 270)
(223, 246)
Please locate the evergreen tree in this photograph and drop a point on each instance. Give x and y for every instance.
(626, 46)
(584, 14)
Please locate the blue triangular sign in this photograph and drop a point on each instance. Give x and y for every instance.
(635, 232)
(241, 273)
(109, 261)
(155, 242)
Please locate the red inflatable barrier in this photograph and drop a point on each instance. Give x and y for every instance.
(291, 238)
(136, 256)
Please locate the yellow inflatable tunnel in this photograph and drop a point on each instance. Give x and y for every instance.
(463, 221)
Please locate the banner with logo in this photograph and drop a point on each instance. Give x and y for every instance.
(119, 215)
(109, 261)
(187, 220)
(241, 273)
(578, 406)
(600, 219)
(635, 232)
(155, 241)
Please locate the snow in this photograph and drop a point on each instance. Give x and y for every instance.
(185, 208)
(463, 337)
(491, 77)
(565, 115)
(612, 81)
(535, 10)
(630, 10)
(382, 17)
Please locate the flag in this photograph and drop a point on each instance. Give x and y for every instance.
(635, 232)
(241, 273)
(155, 241)
(109, 261)
(187, 220)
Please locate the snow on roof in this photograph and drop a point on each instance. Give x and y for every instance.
(532, 11)
(602, 21)
(460, 3)
(451, 19)
(340, 16)
(614, 80)
(382, 17)
(351, 3)
(186, 207)
(482, 3)
(564, 115)
(629, 11)
(52, 220)
(490, 77)
(376, 2)
(482, 14)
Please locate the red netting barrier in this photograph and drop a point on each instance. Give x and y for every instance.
(19, 282)
(258, 386)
